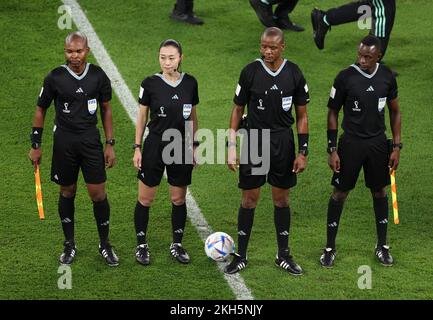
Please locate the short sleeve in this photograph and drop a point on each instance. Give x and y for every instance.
(393, 90)
(242, 89)
(47, 93)
(144, 94)
(195, 99)
(105, 93)
(337, 95)
(302, 96)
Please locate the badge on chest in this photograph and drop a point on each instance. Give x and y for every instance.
(381, 104)
(286, 103)
(187, 108)
(92, 105)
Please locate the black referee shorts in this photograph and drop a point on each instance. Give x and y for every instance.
(282, 156)
(355, 153)
(72, 151)
(152, 165)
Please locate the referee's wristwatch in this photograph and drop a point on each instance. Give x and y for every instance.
(397, 145)
(36, 145)
(110, 141)
(304, 152)
(330, 150)
(135, 146)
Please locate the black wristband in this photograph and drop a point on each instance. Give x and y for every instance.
(303, 143)
(332, 138)
(36, 135)
(196, 143)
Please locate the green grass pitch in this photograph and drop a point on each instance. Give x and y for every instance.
(214, 53)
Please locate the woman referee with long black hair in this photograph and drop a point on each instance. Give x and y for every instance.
(170, 97)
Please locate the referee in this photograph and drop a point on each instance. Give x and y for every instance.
(363, 90)
(78, 88)
(171, 98)
(270, 87)
(383, 14)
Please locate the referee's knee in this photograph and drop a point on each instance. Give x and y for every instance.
(178, 201)
(339, 196)
(68, 191)
(145, 201)
(249, 202)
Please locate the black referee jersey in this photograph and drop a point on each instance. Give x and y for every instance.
(170, 104)
(270, 95)
(363, 97)
(76, 97)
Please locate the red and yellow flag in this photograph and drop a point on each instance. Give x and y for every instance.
(394, 197)
(39, 193)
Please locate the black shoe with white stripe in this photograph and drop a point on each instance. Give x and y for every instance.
(320, 28)
(69, 252)
(327, 258)
(285, 260)
(142, 254)
(263, 12)
(383, 255)
(179, 253)
(108, 254)
(238, 263)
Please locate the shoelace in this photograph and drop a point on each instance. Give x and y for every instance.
(143, 251)
(69, 248)
(385, 252)
(180, 250)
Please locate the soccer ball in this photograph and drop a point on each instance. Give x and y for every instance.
(218, 246)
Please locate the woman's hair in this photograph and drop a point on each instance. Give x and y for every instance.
(172, 43)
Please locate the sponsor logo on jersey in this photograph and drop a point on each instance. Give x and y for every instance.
(370, 88)
(356, 108)
(260, 106)
(162, 113)
(65, 108)
(187, 107)
(274, 87)
(381, 104)
(79, 90)
(175, 97)
(92, 105)
(286, 103)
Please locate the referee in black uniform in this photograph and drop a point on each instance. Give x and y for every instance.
(78, 88)
(383, 14)
(270, 87)
(363, 90)
(171, 97)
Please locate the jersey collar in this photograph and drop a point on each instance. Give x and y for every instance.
(72, 73)
(272, 73)
(369, 76)
(171, 84)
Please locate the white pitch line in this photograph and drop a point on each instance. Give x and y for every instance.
(127, 99)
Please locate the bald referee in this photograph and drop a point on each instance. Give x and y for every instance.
(78, 90)
(271, 87)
